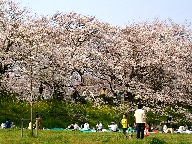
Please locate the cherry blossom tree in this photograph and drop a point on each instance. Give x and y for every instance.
(151, 61)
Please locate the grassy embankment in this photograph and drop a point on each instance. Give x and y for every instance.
(62, 113)
(71, 137)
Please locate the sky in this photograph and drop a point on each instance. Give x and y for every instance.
(116, 12)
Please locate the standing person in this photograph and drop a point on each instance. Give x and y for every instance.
(140, 121)
(146, 131)
(124, 124)
(39, 119)
(102, 93)
(41, 92)
(75, 95)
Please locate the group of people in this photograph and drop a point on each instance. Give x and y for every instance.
(75, 126)
(140, 123)
(7, 124)
(167, 127)
(39, 121)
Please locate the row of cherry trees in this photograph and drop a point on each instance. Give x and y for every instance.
(150, 60)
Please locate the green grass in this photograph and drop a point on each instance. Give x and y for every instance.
(71, 137)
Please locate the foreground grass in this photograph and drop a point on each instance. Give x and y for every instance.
(71, 137)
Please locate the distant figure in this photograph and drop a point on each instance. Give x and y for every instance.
(9, 124)
(165, 129)
(153, 127)
(75, 95)
(102, 93)
(41, 91)
(135, 127)
(113, 127)
(146, 131)
(181, 129)
(86, 126)
(140, 121)
(169, 122)
(174, 126)
(124, 124)
(98, 126)
(82, 126)
(76, 127)
(3, 126)
(159, 127)
(29, 127)
(70, 127)
(130, 131)
(39, 120)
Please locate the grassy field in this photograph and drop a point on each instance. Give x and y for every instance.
(73, 137)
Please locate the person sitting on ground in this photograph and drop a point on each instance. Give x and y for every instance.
(153, 127)
(82, 126)
(174, 126)
(130, 131)
(86, 126)
(169, 122)
(70, 127)
(116, 125)
(165, 128)
(29, 127)
(159, 127)
(186, 127)
(113, 127)
(3, 126)
(98, 126)
(149, 128)
(181, 129)
(9, 124)
(76, 127)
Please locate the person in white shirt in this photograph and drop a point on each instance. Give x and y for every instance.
(181, 129)
(98, 126)
(3, 125)
(76, 126)
(113, 127)
(86, 126)
(165, 129)
(140, 120)
(29, 127)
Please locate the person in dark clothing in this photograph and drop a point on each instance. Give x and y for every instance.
(41, 91)
(75, 95)
(8, 123)
(169, 122)
(71, 126)
(174, 126)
